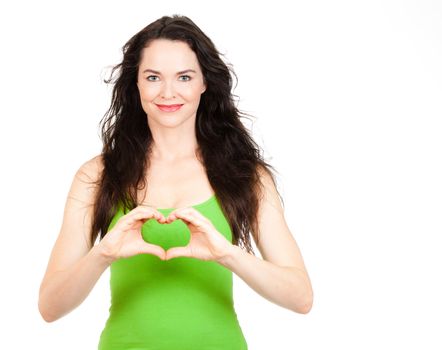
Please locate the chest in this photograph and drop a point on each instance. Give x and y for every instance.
(175, 185)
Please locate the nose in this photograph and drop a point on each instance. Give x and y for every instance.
(167, 90)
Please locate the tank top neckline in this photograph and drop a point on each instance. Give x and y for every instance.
(198, 205)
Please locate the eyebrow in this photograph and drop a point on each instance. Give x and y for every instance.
(157, 72)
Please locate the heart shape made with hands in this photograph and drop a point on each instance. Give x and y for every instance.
(172, 232)
(185, 233)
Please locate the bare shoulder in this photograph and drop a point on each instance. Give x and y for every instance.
(86, 180)
(91, 169)
(81, 196)
(269, 193)
(276, 242)
(74, 238)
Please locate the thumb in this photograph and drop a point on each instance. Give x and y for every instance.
(148, 248)
(177, 252)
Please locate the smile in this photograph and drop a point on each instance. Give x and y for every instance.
(169, 108)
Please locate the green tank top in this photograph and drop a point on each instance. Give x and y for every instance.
(183, 303)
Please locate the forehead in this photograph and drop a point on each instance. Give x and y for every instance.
(163, 55)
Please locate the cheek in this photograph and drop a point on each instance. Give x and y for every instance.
(191, 93)
(149, 94)
(187, 92)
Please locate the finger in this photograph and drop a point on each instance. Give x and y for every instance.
(178, 252)
(133, 220)
(148, 248)
(195, 213)
(189, 217)
(143, 208)
(145, 215)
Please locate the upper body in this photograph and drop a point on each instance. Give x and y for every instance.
(169, 304)
(176, 178)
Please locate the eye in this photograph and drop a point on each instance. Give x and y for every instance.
(155, 76)
(188, 76)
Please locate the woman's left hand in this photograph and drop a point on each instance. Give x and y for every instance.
(205, 243)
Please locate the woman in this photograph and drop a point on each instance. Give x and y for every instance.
(174, 193)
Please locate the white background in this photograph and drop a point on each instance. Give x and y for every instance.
(347, 100)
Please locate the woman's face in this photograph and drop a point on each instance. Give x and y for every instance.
(169, 74)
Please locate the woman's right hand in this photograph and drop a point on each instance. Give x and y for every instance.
(125, 240)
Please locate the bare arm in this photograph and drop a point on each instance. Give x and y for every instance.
(64, 290)
(286, 286)
(281, 276)
(74, 266)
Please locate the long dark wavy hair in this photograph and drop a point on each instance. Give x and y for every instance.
(231, 158)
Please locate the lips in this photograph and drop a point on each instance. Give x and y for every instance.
(169, 108)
